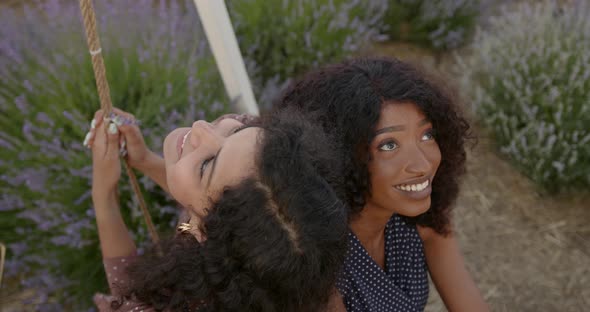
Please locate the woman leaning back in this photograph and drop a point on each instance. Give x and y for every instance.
(403, 139)
(267, 232)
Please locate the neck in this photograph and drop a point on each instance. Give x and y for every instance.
(369, 225)
(369, 228)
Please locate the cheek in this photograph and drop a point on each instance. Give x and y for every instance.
(383, 171)
(435, 156)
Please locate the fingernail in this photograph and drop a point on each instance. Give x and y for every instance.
(93, 124)
(118, 120)
(113, 128)
(86, 139)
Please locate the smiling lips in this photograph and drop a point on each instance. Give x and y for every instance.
(413, 187)
(181, 147)
(184, 140)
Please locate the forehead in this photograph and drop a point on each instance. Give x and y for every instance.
(399, 113)
(237, 159)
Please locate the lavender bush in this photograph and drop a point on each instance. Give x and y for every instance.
(529, 77)
(437, 24)
(282, 39)
(159, 68)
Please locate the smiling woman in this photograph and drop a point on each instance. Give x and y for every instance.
(266, 230)
(203, 159)
(404, 140)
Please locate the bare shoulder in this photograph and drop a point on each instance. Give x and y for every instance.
(426, 233)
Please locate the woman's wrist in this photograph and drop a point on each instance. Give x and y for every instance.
(104, 194)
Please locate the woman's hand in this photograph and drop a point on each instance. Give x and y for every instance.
(132, 142)
(132, 146)
(137, 151)
(106, 166)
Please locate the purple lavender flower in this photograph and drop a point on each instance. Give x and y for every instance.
(528, 77)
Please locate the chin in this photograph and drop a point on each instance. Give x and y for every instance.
(415, 209)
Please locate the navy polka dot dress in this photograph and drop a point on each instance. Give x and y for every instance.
(401, 287)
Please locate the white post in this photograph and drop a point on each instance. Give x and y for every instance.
(224, 45)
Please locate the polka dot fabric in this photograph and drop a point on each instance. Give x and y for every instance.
(401, 287)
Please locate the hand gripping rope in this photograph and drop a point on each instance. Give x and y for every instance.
(106, 105)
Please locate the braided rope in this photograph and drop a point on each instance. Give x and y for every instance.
(104, 93)
(106, 105)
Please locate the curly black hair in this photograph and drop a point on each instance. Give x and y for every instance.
(346, 100)
(275, 242)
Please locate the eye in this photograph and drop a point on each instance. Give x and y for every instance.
(387, 146)
(428, 135)
(238, 129)
(205, 164)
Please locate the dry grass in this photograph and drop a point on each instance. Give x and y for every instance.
(527, 251)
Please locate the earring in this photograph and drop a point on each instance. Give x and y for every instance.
(184, 227)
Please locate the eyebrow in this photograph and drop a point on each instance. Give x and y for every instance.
(399, 128)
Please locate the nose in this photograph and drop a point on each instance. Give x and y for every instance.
(203, 135)
(418, 163)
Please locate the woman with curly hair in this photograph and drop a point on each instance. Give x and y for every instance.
(403, 139)
(266, 233)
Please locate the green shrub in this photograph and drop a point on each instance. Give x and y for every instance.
(529, 76)
(282, 39)
(436, 24)
(159, 68)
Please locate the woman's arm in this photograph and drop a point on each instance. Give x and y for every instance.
(113, 234)
(153, 166)
(115, 240)
(449, 274)
(116, 244)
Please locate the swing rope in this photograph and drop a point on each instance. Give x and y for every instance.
(106, 105)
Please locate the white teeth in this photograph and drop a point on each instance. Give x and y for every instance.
(413, 187)
(184, 139)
